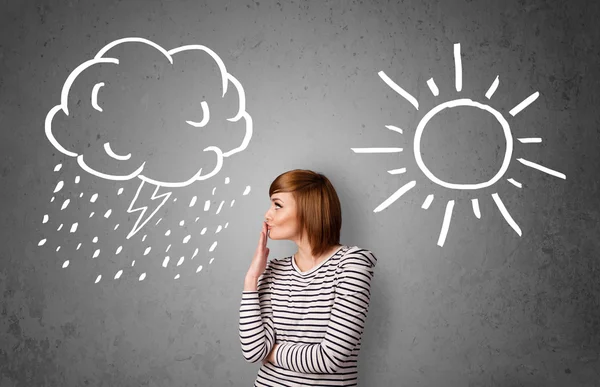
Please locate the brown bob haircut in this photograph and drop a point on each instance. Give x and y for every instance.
(317, 205)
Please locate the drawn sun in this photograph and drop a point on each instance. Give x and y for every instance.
(417, 148)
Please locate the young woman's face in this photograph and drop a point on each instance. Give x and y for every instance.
(281, 217)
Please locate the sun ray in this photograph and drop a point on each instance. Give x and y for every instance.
(530, 140)
(475, 203)
(396, 171)
(401, 191)
(399, 90)
(376, 150)
(458, 66)
(427, 202)
(526, 102)
(542, 168)
(446, 223)
(394, 128)
(433, 87)
(505, 213)
(515, 183)
(492, 88)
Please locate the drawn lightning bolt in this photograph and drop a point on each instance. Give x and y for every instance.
(139, 223)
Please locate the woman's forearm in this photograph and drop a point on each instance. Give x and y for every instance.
(250, 284)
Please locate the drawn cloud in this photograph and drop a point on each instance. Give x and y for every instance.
(134, 159)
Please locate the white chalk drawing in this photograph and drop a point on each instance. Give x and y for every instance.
(160, 189)
(227, 80)
(418, 156)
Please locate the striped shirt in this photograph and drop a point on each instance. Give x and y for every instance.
(317, 318)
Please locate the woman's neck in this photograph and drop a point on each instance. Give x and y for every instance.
(305, 261)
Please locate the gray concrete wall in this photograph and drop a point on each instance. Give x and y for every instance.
(489, 307)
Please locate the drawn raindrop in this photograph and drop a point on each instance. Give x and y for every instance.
(117, 226)
(59, 227)
(78, 246)
(193, 201)
(247, 190)
(92, 214)
(120, 191)
(41, 243)
(107, 214)
(157, 222)
(174, 200)
(196, 221)
(168, 248)
(165, 261)
(119, 249)
(118, 275)
(212, 247)
(226, 224)
(51, 200)
(98, 278)
(203, 231)
(45, 220)
(182, 223)
(220, 206)
(142, 276)
(65, 264)
(96, 253)
(57, 167)
(233, 201)
(74, 227)
(144, 237)
(199, 268)
(218, 229)
(77, 179)
(211, 261)
(180, 261)
(186, 239)
(65, 204)
(81, 195)
(213, 191)
(59, 186)
(195, 253)
(93, 198)
(177, 276)
(206, 205)
(147, 250)
(227, 180)
(95, 240)
(133, 262)
(168, 233)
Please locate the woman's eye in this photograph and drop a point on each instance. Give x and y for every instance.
(277, 205)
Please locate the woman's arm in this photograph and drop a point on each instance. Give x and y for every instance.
(257, 333)
(346, 324)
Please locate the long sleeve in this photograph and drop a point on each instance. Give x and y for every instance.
(345, 328)
(257, 333)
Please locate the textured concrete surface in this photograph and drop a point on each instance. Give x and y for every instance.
(488, 308)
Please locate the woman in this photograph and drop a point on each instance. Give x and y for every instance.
(303, 316)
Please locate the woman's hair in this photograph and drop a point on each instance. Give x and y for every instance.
(317, 204)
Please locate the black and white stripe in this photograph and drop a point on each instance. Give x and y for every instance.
(316, 317)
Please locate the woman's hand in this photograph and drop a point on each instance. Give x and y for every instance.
(271, 356)
(259, 261)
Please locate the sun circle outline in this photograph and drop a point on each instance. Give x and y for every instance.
(455, 103)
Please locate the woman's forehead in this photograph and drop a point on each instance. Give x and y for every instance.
(282, 196)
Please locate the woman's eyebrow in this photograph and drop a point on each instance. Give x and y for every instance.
(277, 199)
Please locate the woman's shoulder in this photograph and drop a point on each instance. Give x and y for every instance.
(358, 255)
(279, 262)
